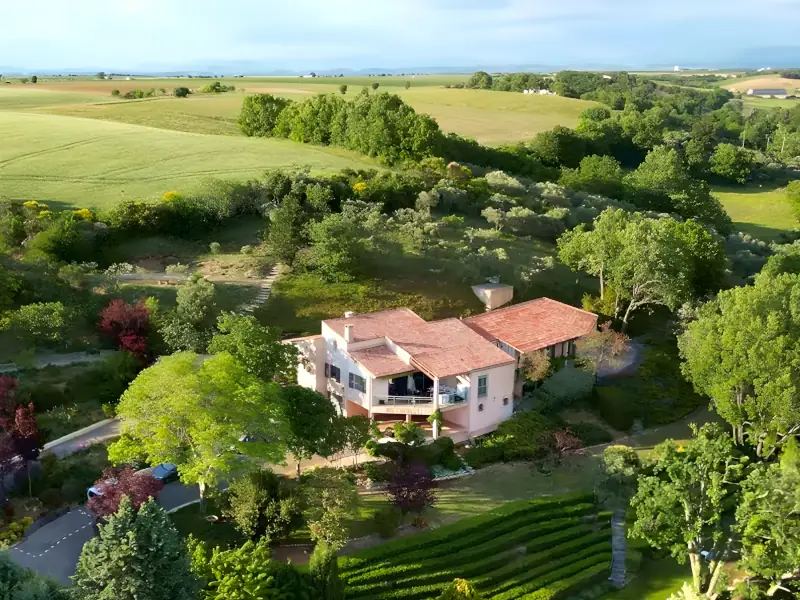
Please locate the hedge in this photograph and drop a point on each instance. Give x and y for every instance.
(550, 573)
(527, 575)
(568, 548)
(481, 522)
(560, 589)
(570, 571)
(482, 559)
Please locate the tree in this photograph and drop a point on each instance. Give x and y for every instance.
(179, 335)
(335, 247)
(680, 506)
(408, 85)
(740, 352)
(602, 344)
(793, 195)
(34, 79)
(262, 504)
(535, 366)
(248, 573)
(480, 80)
(375, 85)
(343, 89)
(19, 583)
(767, 517)
(409, 433)
(40, 323)
(412, 488)
(117, 483)
(257, 347)
(324, 570)
(330, 500)
(596, 175)
(732, 163)
(309, 419)
(209, 417)
(20, 439)
(181, 92)
(126, 325)
(286, 229)
(460, 589)
(559, 147)
(356, 432)
(260, 113)
(195, 299)
(621, 467)
(136, 556)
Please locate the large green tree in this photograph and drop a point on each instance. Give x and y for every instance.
(732, 163)
(331, 499)
(742, 351)
(680, 506)
(209, 417)
(136, 556)
(19, 583)
(767, 517)
(311, 422)
(256, 346)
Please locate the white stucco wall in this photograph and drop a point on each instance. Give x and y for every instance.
(311, 366)
(336, 355)
(500, 385)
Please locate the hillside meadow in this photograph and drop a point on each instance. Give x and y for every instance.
(762, 211)
(91, 163)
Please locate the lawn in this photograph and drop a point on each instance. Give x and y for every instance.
(192, 521)
(762, 211)
(85, 162)
(657, 580)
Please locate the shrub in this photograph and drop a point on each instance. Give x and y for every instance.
(614, 406)
(214, 247)
(565, 387)
(247, 250)
(377, 472)
(181, 92)
(386, 521)
(484, 455)
(591, 434)
(14, 532)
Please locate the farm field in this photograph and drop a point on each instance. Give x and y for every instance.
(768, 81)
(558, 544)
(85, 162)
(763, 212)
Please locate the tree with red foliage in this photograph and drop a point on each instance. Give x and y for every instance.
(126, 325)
(20, 438)
(412, 488)
(119, 482)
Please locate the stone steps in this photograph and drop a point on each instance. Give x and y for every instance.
(618, 549)
(263, 293)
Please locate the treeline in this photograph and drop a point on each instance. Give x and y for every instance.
(507, 82)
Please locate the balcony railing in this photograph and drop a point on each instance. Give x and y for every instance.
(403, 400)
(452, 399)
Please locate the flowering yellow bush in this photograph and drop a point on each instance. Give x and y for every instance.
(44, 215)
(171, 196)
(85, 214)
(35, 206)
(360, 187)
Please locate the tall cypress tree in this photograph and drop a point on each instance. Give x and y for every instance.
(136, 556)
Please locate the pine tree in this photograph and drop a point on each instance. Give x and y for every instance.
(136, 556)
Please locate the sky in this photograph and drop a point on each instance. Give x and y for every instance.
(114, 35)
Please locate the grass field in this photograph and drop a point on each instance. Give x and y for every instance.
(767, 81)
(763, 212)
(84, 162)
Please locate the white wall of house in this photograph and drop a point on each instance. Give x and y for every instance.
(500, 386)
(311, 366)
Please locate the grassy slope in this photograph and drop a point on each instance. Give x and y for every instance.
(87, 162)
(762, 212)
(27, 97)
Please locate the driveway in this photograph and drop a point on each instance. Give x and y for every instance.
(54, 549)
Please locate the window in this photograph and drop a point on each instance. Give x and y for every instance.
(505, 401)
(327, 370)
(480, 407)
(336, 373)
(358, 383)
(483, 386)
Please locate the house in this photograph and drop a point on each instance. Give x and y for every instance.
(768, 93)
(393, 365)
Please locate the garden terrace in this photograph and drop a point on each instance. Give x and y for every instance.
(529, 549)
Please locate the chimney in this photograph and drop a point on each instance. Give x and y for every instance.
(348, 333)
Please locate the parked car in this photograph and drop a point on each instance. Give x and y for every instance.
(164, 472)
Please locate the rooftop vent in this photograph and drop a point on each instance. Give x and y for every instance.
(349, 314)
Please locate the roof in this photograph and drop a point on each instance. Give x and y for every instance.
(440, 348)
(305, 338)
(769, 91)
(534, 325)
(380, 361)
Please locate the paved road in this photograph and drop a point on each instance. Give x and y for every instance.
(54, 549)
(101, 434)
(41, 361)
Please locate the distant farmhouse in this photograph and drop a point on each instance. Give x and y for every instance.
(768, 93)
